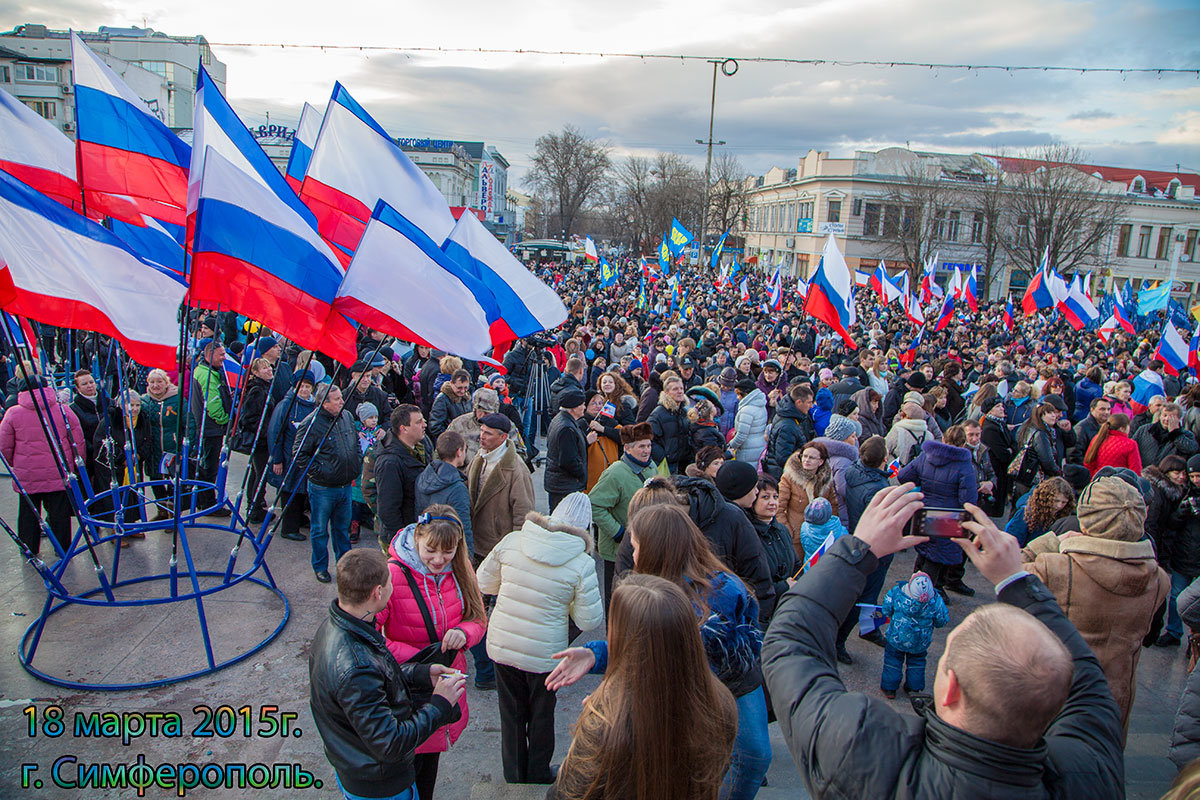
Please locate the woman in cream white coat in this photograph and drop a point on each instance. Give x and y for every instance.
(541, 575)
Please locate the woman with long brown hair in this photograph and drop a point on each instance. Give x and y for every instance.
(1112, 447)
(1047, 440)
(807, 475)
(432, 578)
(642, 737)
(667, 543)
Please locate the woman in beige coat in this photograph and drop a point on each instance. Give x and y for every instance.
(1107, 579)
(806, 476)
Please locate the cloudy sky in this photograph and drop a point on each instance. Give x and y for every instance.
(769, 114)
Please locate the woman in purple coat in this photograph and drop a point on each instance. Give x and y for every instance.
(946, 476)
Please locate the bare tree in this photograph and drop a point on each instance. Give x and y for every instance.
(986, 201)
(569, 168)
(1052, 203)
(912, 218)
(649, 191)
(727, 198)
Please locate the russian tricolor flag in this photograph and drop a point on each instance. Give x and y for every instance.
(1037, 294)
(254, 246)
(801, 287)
(1146, 385)
(355, 164)
(1119, 313)
(1009, 320)
(946, 315)
(776, 300)
(820, 551)
(883, 286)
(302, 145)
(1078, 310)
(910, 355)
(589, 250)
(1172, 350)
(969, 291)
(830, 296)
(36, 153)
(63, 269)
(122, 148)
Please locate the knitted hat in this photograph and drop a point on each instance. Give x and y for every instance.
(990, 403)
(264, 343)
(842, 428)
(728, 378)
(1109, 508)
(916, 381)
(825, 374)
(735, 479)
(497, 422)
(1194, 463)
(1077, 475)
(818, 512)
(746, 385)
(486, 399)
(304, 375)
(707, 394)
(575, 510)
(915, 397)
(366, 410)
(919, 587)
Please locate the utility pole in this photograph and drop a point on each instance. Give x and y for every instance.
(729, 68)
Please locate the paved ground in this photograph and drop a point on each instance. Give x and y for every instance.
(101, 645)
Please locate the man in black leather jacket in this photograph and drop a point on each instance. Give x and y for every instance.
(1020, 707)
(361, 698)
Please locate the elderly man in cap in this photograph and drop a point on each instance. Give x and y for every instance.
(687, 371)
(566, 448)
(501, 495)
(485, 401)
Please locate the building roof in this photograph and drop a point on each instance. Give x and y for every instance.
(6, 52)
(474, 149)
(1155, 179)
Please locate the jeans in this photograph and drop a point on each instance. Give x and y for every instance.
(914, 673)
(751, 749)
(330, 514)
(1174, 622)
(408, 794)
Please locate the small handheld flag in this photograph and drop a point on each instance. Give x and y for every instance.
(893, 469)
(816, 556)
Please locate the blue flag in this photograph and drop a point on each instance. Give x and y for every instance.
(678, 237)
(716, 256)
(608, 274)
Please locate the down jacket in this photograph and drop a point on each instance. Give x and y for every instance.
(540, 574)
(911, 625)
(1156, 443)
(862, 484)
(672, 439)
(1185, 737)
(446, 408)
(404, 628)
(1110, 591)
(946, 476)
(26, 449)
(841, 456)
(790, 430)
(440, 482)
(750, 428)
(850, 744)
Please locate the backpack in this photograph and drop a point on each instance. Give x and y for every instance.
(915, 449)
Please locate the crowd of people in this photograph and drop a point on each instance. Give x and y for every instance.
(728, 486)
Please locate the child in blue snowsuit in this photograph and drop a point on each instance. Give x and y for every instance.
(915, 609)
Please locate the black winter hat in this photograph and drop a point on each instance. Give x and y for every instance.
(735, 479)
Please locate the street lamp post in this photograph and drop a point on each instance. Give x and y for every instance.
(729, 68)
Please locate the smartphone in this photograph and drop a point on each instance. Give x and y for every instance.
(940, 523)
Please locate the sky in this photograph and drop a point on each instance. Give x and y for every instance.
(768, 114)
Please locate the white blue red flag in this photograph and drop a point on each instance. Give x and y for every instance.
(830, 298)
(910, 355)
(355, 164)
(1119, 313)
(64, 269)
(1146, 385)
(37, 153)
(801, 287)
(870, 618)
(812, 560)
(302, 146)
(589, 250)
(946, 315)
(1077, 308)
(1009, 319)
(776, 300)
(893, 468)
(1172, 350)
(969, 291)
(122, 148)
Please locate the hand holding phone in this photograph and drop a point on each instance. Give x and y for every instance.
(940, 523)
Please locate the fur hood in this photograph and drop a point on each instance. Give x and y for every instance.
(547, 523)
(451, 396)
(666, 401)
(821, 481)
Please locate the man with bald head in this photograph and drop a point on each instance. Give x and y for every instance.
(1020, 705)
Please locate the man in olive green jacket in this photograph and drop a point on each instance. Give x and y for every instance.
(611, 495)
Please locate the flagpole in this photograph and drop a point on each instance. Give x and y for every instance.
(729, 68)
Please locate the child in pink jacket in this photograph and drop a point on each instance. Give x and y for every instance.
(434, 555)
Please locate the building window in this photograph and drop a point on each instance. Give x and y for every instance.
(871, 215)
(5, 76)
(46, 109)
(835, 210)
(1123, 238)
(1144, 242)
(1189, 246)
(939, 225)
(1022, 229)
(37, 73)
(977, 228)
(952, 220)
(891, 221)
(1164, 242)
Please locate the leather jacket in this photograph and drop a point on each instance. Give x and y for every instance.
(361, 703)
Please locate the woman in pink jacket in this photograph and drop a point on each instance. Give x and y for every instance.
(432, 557)
(26, 448)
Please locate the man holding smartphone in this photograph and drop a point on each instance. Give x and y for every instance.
(1020, 705)
(361, 698)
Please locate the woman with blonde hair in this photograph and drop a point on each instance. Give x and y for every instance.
(435, 612)
(641, 737)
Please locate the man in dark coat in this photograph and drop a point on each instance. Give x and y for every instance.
(913, 382)
(1020, 706)
(400, 458)
(571, 378)
(1087, 428)
(669, 422)
(362, 389)
(328, 438)
(848, 385)
(792, 429)
(566, 449)
(1001, 445)
(1165, 438)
